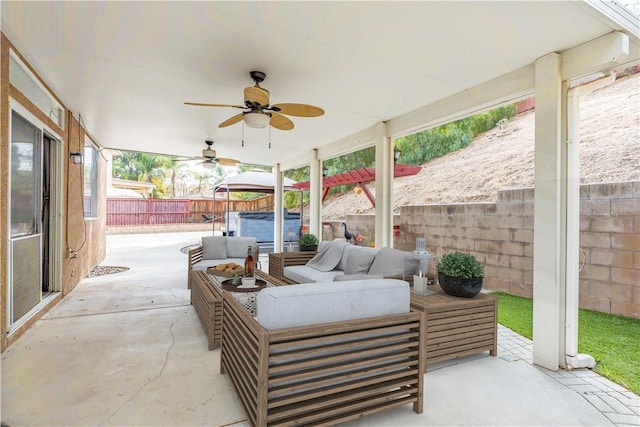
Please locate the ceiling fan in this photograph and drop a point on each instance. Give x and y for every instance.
(211, 160)
(258, 113)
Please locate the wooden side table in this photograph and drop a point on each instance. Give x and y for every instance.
(456, 326)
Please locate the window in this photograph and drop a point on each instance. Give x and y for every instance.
(25, 177)
(90, 180)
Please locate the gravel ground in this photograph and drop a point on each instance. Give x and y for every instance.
(101, 270)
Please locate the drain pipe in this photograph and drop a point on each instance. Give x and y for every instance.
(573, 359)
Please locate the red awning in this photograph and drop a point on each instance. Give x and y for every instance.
(359, 176)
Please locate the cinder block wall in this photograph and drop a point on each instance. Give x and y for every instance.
(501, 236)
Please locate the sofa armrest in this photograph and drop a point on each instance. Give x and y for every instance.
(279, 260)
(193, 256)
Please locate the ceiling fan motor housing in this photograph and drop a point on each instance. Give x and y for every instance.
(209, 153)
(256, 95)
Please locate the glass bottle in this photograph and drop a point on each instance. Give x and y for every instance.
(248, 263)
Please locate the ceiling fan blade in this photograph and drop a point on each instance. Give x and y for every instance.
(299, 110)
(183, 159)
(256, 94)
(231, 121)
(200, 104)
(281, 122)
(228, 162)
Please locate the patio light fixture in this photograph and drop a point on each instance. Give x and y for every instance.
(208, 165)
(396, 154)
(76, 158)
(325, 172)
(256, 119)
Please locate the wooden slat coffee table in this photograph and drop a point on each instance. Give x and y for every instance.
(456, 326)
(206, 298)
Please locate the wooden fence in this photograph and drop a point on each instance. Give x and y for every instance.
(125, 212)
(128, 212)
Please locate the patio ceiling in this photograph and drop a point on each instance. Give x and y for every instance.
(127, 67)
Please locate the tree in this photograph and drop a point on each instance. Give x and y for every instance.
(145, 167)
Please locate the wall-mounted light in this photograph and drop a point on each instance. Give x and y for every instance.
(325, 172)
(396, 154)
(76, 158)
(256, 119)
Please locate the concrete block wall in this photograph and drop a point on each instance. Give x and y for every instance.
(610, 240)
(500, 235)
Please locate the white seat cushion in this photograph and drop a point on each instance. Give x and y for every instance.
(304, 274)
(315, 303)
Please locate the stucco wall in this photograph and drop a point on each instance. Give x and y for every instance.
(86, 237)
(72, 233)
(501, 236)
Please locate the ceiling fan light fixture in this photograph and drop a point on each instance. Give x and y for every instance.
(209, 164)
(256, 120)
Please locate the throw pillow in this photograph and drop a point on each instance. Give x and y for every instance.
(214, 247)
(359, 262)
(393, 262)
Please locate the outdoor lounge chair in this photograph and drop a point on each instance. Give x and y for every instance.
(323, 373)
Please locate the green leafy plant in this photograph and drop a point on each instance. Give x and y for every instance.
(308, 239)
(460, 264)
(236, 280)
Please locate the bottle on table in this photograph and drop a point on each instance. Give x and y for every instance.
(249, 263)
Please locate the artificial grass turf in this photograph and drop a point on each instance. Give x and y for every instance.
(614, 341)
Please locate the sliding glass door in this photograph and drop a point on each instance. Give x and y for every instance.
(25, 217)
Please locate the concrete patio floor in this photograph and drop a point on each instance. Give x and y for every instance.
(127, 349)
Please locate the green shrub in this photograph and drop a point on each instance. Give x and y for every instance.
(308, 239)
(459, 264)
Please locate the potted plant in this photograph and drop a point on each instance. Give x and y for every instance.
(308, 242)
(460, 274)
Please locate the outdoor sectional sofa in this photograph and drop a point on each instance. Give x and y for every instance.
(324, 353)
(337, 260)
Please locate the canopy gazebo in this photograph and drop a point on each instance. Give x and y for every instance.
(252, 181)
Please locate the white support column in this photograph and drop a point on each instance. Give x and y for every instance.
(549, 216)
(384, 187)
(315, 195)
(278, 209)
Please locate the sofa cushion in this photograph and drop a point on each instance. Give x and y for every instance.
(315, 303)
(359, 261)
(359, 276)
(348, 250)
(237, 246)
(214, 247)
(304, 274)
(392, 262)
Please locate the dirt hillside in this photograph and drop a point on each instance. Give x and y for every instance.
(609, 152)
